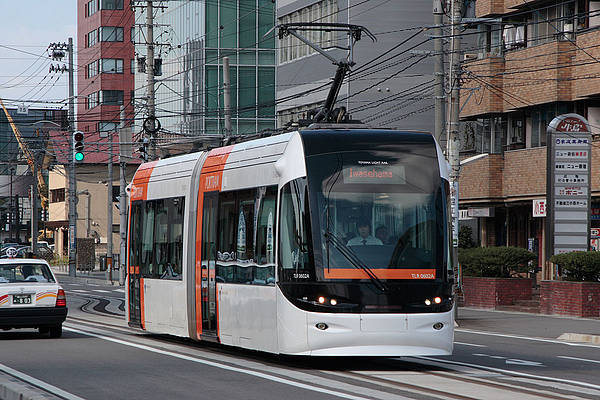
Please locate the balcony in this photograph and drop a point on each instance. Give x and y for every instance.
(481, 92)
(586, 67)
(524, 173)
(481, 179)
(487, 8)
(512, 5)
(538, 74)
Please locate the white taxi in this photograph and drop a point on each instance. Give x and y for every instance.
(30, 296)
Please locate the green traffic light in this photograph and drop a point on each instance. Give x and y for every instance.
(79, 156)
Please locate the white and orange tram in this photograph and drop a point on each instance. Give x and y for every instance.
(325, 241)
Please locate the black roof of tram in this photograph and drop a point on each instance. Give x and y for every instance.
(321, 141)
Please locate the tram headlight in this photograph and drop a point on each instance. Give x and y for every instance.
(333, 302)
(427, 302)
(437, 300)
(321, 299)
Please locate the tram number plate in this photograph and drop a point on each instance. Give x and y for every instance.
(21, 299)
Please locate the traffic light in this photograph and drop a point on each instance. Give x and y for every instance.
(78, 155)
(143, 149)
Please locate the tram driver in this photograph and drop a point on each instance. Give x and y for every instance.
(364, 236)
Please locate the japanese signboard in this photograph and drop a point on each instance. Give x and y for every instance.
(539, 208)
(568, 194)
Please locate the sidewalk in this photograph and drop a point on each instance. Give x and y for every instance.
(96, 276)
(571, 329)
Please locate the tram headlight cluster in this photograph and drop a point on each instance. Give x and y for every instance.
(324, 300)
(436, 300)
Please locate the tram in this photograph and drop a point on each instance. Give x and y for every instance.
(327, 241)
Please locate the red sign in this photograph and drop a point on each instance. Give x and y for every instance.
(539, 208)
(572, 125)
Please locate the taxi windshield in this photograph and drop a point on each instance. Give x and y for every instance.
(19, 273)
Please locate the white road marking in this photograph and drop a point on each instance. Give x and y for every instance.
(526, 338)
(119, 290)
(101, 291)
(508, 372)
(579, 359)
(219, 365)
(511, 360)
(469, 344)
(516, 361)
(40, 384)
(78, 291)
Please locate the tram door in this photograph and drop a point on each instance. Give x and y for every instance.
(209, 238)
(135, 280)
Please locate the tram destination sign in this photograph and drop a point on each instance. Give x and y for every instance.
(567, 184)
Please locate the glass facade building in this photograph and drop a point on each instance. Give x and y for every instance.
(192, 38)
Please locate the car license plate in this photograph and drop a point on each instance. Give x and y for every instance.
(21, 299)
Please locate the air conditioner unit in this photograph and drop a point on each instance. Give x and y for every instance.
(470, 56)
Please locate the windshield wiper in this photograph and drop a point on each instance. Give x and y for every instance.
(354, 260)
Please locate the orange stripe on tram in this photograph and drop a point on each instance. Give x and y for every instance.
(211, 179)
(353, 273)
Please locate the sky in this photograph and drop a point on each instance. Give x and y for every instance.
(27, 28)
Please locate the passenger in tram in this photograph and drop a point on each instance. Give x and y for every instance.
(382, 233)
(364, 235)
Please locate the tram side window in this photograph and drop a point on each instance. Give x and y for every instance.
(243, 254)
(161, 246)
(135, 233)
(265, 235)
(294, 253)
(147, 254)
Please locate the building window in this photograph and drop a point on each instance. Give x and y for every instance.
(112, 4)
(106, 126)
(91, 38)
(92, 69)
(92, 100)
(91, 7)
(111, 97)
(111, 65)
(132, 34)
(291, 48)
(57, 195)
(111, 33)
(132, 68)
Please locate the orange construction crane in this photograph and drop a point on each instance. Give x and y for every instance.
(41, 183)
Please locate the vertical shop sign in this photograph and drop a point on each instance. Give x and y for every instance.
(567, 184)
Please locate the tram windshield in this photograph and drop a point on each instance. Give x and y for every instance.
(377, 215)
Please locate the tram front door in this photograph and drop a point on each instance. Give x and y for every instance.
(209, 237)
(133, 270)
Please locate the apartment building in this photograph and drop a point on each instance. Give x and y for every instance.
(105, 81)
(534, 60)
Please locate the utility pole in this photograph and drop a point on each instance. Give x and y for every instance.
(34, 209)
(150, 73)
(58, 50)
(438, 71)
(11, 206)
(109, 210)
(122, 200)
(453, 134)
(227, 97)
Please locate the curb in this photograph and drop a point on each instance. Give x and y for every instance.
(580, 338)
(15, 390)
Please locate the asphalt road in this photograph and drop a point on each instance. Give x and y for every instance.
(497, 355)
